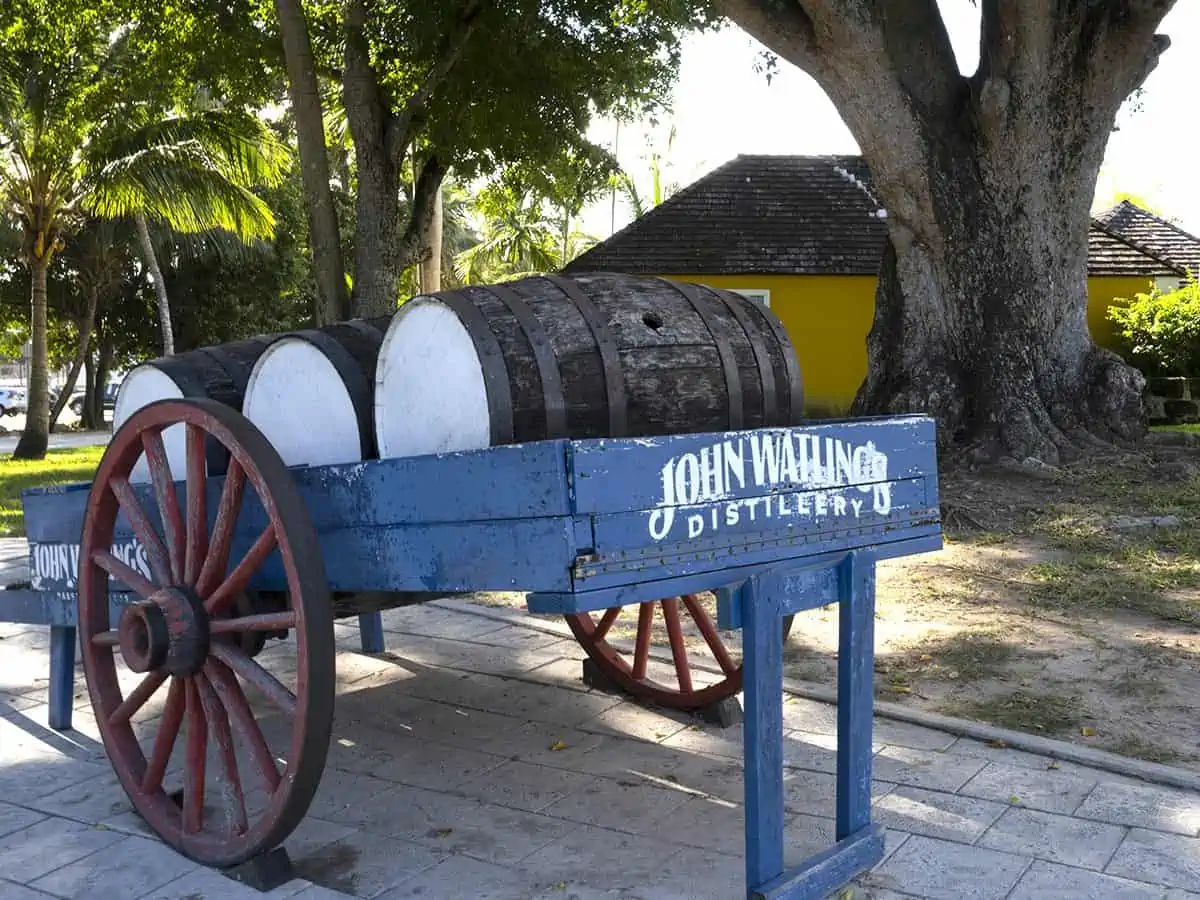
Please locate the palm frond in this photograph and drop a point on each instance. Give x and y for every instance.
(236, 144)
(177, 185)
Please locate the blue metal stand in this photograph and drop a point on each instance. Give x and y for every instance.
(62, 676)
(370, 632)
(764, 600)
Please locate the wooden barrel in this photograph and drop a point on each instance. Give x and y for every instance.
(311, 392)
(586, 356)
(218, 373)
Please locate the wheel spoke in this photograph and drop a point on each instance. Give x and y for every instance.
(164, 741)
(168, 501)
(256, 675)
(223, 596)
(279, 621)
(606, 622)
(197, 506)
(683, 670)
(194, 764)
(641, 654)
(218, 723)
(137, 698)
(124, 574)
(709, 630)
(217, 558)
(242, 718)
(156, 553)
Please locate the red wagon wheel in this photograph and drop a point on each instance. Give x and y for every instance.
(614, 662)
(191, 633)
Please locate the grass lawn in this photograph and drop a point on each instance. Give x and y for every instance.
(59, 467)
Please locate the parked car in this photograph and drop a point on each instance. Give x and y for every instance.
(110, 400)
(12, 401)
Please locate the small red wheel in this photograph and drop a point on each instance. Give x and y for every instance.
(593, 635)
(190, 631)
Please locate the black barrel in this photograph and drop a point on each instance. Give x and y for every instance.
(590, 355)
(218, 373)
(311, 392)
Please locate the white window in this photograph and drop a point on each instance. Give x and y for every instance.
(1168, 283)
(762, 296)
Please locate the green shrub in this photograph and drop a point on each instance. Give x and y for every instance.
(1160, 333)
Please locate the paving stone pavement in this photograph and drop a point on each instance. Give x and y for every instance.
(469, 761)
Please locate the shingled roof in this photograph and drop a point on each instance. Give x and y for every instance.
(1152, 235)
(790, 215)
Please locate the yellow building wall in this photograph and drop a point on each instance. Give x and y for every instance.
(828, 317)
(1101, 294)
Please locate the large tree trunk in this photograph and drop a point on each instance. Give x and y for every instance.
(431, 263)
(987, 182)
(384, 246)
(333, 302)
(104, 360)
(86, 324)
(150, 258)
(88, 419)
(36, 437)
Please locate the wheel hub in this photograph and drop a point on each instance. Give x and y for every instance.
(169, 631)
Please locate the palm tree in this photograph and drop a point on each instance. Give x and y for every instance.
(518, 238)
(72, 145)
(192, 173)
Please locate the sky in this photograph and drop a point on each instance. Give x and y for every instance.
(722, 107)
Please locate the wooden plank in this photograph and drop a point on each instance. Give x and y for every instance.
(54, 608)
(619, 475)
(648, 586)
(823, 873)
(516, 554)
(794, 514)
(762, 733)
(518, 481)
(856, 674)
(798, 591)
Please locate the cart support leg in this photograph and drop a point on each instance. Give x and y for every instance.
(856, 658)
(762, 655)
(859, 842)
(62, 676)
(370, 632)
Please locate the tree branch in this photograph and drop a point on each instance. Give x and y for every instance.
(901, 42)
(400, 127)
(782, 26)
(424, 196)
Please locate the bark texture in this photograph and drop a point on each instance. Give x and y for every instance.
(35, 438)
(85, 325)
(987, 182)
(431, 261)
(150, 258)
(333, 301)
(383, 134)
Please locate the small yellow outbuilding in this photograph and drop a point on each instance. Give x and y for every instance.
(805, 235)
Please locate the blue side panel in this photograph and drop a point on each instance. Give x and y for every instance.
(514, 554)
(798, 516)
(618, 475)
(518, 481)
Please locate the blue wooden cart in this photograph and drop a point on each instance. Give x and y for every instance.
(176, 585)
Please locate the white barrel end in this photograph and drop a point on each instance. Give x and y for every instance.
(430, 395)
(297, 399)
(144, 385)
